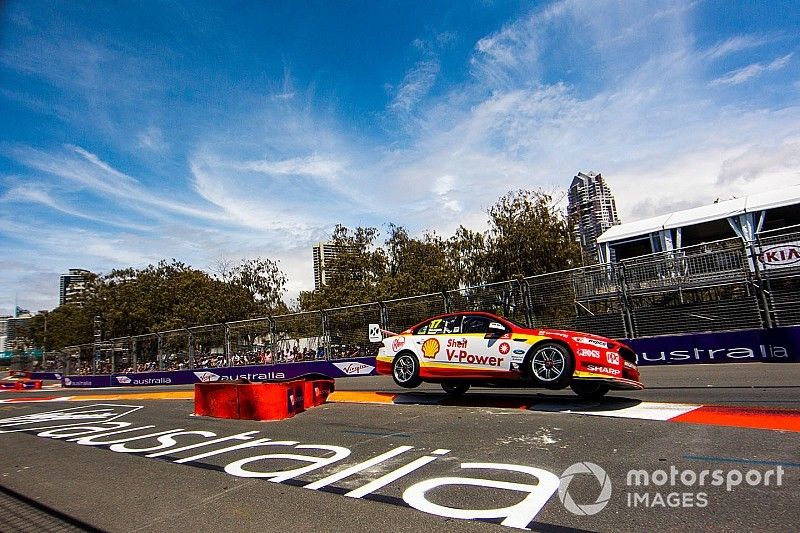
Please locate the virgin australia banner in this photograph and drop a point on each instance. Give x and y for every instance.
(364, 366)
(778, 345)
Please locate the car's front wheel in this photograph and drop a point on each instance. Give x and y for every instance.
(455, 388)
(551, 365)
(589, 390)
(405, 370)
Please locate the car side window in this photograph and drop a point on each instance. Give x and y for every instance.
(441, 326)
(475, 324)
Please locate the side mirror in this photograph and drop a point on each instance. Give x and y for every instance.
(496, 329)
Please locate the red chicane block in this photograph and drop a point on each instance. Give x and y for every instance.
(260, 401)
(29, 384)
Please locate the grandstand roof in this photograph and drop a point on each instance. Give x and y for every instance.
(705, 213)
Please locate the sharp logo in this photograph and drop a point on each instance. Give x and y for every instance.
(354, 369)
(205, 377)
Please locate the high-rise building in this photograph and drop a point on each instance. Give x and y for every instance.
(324, 252)
(592, 210)
(72, 289)
(324, 255)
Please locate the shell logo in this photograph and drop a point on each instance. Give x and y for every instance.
(430, 348)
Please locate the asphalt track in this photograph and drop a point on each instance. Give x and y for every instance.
(54, 484)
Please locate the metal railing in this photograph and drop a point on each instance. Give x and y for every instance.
(724, 285)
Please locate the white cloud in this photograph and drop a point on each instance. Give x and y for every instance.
(737, 43)
(415, 85)
(152, 139)
(735, 77)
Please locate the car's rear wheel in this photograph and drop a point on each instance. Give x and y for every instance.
(455, 388)
(405, 370)
(589, 390)
(551, 365)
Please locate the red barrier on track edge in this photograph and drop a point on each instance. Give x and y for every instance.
(260, 401)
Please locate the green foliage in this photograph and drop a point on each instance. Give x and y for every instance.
(526, 236)
(162, 297)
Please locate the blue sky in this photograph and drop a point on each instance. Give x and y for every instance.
(136, 131)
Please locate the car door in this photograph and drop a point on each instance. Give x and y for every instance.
(487, 342)
(434, 338)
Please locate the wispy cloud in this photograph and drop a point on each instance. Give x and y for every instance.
(415, 85)
(737, 43)
(152, 138)
(735, 77)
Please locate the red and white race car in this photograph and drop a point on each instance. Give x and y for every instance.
(475, 348)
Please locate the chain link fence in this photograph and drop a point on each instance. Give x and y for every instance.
(724, 285)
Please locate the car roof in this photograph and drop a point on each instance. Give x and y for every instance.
(454, 313)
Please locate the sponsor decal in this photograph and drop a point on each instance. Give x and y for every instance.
(72, 416)
(780, 256)
(504, 348)
(257, 376)
(354, 369)
(374, 333)
(461, 356)
(430, 348)
(778, 345)
(77, 382)
(457, 343)
(544, 333)
(630, 365)
(592, 342)
(123, 379)
(737, 353)
(519, 352)
(604, 370)
(589, 352)
(612, 358)
(397, 343)
(324, 464)
(206, 377)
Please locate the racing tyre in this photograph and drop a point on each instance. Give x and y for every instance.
(551, 365)
(405, 370)
(589, 390)
(455, 388)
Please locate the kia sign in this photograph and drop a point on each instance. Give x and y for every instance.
(780, 256)
(778, 345)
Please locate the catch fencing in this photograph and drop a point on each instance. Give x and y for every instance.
(720, 286)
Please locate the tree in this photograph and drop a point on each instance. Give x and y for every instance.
(264, 281)
(417, 266)
(354, 273)
(527, 236)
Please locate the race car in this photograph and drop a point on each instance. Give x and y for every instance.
(459, 350)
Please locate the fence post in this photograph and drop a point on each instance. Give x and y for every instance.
(132, 345)
(627, 311)
(763, 289)
(273, 336)
(526, 303)
(383, 318)
(226, 344)
(160, 348)
(190, 347)
(446, 301)
(326, 333)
